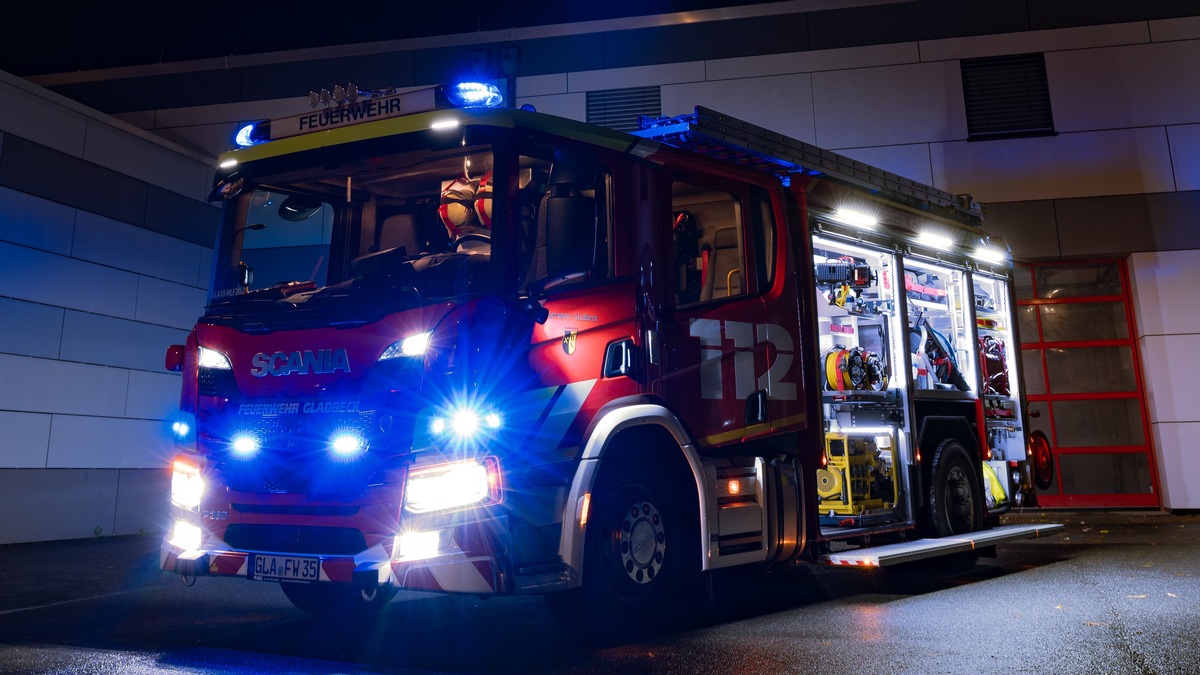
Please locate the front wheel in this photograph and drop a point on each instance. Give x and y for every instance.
(336, 599)
(640, 555)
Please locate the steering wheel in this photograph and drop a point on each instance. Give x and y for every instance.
(467, 238)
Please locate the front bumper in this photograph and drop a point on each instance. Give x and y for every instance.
(464, 561)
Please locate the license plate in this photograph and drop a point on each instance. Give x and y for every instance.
(284, 568)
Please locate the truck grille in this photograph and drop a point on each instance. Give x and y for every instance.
(305, 432)
(295, 457)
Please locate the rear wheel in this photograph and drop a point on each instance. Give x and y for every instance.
(954, 504)
(336, 599)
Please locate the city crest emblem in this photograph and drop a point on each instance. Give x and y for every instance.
(568, 341)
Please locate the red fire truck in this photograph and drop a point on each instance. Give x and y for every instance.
(486, 350)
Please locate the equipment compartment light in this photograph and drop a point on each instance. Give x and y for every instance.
(187, 486)
(211, 358)
(413, 345)
(938, 241)
(989, 254)
(474, 95)
(453, 486)
(855, 218)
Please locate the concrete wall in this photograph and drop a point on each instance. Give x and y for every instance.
(1165, 286)
(105, 244)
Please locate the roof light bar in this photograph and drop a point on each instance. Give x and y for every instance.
(474, 95)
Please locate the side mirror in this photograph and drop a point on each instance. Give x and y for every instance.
(571, 231)
(174, 360)
(245, 276)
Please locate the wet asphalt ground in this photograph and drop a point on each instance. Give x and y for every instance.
(1115, 593)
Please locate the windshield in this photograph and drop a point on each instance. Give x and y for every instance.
(276, 238)
(422, 219)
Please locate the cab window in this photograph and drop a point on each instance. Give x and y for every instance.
(709, 245)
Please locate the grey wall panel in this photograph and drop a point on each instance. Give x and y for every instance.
(142, 497)
(296, 79)
(1098, 226)
(128, 247)
(1029, 228)
(147, 93)
(36, 223)
(1123, 224)
(108, 341)
(177, 216)
(30, 329)
(1065, 13)
(907, 21)
(431, 66)
(61, 178)
(48, 504)
(39, 171)
(700, 41)
(24, 440)
(560, 54)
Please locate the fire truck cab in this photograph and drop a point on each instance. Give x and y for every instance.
(490, 351)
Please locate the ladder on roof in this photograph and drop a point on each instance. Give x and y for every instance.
(715, 134)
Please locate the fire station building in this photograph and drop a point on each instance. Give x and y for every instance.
(1078, 124)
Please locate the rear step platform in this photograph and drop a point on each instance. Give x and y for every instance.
(908, 551)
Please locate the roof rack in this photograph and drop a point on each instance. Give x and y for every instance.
(716, 134)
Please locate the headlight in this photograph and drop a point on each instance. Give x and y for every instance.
(185, 536)
(455, 485)
(211, 358)
(413, 345)
(187, 487)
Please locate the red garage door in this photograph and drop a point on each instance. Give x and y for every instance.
(1084, 383)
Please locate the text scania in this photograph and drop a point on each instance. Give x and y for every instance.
(311, 361)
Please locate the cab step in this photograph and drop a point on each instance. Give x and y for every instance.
(908, 551)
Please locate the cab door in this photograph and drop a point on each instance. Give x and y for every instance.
(717, 347)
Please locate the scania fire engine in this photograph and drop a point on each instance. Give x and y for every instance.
(491, 351)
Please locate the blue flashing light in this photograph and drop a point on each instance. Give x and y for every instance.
(475, 95)
(245, 446)
(181, 429)
(243, 136)
(346, 445)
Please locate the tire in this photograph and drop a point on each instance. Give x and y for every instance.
(641, 566)
(954, 494)
(336, 599)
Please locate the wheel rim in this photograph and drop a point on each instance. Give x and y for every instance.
(641, 543)
(959, 501)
